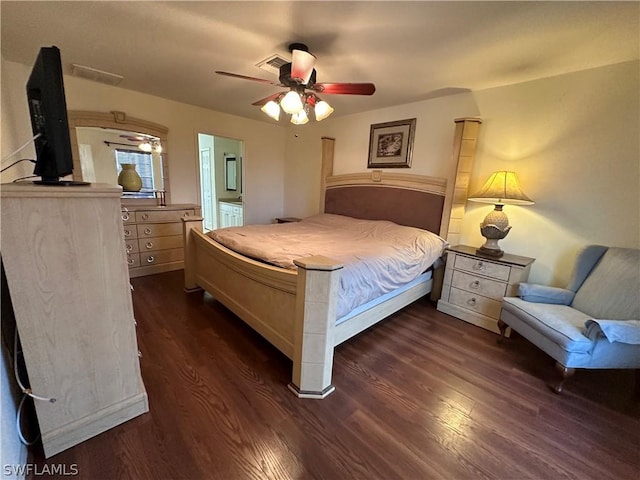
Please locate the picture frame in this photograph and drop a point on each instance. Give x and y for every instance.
(391, 144)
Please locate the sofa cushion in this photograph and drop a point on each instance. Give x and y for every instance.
(560, 323)
(532, 292)
(611, 289)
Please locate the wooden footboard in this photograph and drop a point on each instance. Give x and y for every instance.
(294, 311)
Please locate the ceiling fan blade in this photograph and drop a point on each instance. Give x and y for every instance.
(302, 64)
(345, 88)
(244, 77)
(263, 101)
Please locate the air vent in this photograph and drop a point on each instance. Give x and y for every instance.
(272, 64)
(96, 75)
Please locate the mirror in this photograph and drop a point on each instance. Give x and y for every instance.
(230, 172)
(101, 142)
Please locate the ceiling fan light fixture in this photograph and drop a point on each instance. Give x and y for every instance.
(291, 102)
(322, 110)
(300, 118)
(272, 109)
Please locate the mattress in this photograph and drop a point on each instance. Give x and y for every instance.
(378, 256)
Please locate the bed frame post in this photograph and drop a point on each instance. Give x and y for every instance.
(190, 258)
(318, 284)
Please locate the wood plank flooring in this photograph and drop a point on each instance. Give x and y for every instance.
(422, 395)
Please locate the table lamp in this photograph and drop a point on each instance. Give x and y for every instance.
(501, 188)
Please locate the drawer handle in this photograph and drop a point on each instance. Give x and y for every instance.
(139, 354)
(149, 244)
(472, 301)
(147, 231)
(186, 214)
(130, 261)
(145, 216)
(127, 233)
(150, 259)
(479, 266)
(129, 247)
(475, 284)
(125, 216)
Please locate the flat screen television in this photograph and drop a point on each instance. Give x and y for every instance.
(49, 122)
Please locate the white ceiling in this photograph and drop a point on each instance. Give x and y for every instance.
(411, 50)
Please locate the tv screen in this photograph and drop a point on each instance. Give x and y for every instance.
(48, 110)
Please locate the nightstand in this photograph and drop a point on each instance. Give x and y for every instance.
(474, 284)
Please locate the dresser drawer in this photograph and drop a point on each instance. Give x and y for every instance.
(482, 267)
(477, 303)
(162, 256)
(133, 260)
(163, 215)
(480, 285)
(128, 217)
(147, 230)
(130, 231)
(131, 246)
(160, 243)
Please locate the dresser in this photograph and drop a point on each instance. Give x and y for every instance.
(64, 259)
(153, 237)
(231, 214)
(474, 284)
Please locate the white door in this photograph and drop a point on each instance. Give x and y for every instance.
(207, 194)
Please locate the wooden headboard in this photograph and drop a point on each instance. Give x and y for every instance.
(406, 199)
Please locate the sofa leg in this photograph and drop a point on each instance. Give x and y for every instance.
(503, 330)
(566, 373)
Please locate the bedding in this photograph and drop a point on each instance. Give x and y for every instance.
(378, 256)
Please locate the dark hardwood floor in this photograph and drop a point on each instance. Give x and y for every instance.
(421, 395)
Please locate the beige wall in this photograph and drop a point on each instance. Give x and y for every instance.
(264, 143)
(573, 140)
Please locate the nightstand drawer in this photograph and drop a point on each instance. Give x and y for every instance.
(480, 285)
(163, 215)
(133, 260)
(477, 303)
(482, 267)
(131, 245)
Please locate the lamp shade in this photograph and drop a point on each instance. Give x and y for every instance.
(300, 118)
(502, 188)
(291, 102)
(322, 110)
(272, 109)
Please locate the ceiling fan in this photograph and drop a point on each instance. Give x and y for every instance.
(299, 76)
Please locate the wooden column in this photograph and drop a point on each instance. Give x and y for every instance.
(190, 260)
(464, 151)
(326, 170)
(318, 283)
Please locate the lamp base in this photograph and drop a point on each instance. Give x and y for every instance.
(490, 252)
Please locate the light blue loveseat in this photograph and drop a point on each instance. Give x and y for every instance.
(593, 323)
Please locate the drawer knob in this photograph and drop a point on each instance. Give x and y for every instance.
(479, 266)
(186, 214)
(145, 216)
(475, 284)
(130, 261)
(472, 301)
(125, 216)
(150, 259)
(129, 247)
(127, 233)
(147, 231)
(149, 245)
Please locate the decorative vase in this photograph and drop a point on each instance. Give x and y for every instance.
(129, 178)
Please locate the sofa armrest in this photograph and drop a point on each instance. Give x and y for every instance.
(622, 331)
(534, 293)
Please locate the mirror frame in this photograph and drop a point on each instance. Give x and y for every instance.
(229, 179)
(119, 121)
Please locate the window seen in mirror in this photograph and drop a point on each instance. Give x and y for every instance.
(144, 166)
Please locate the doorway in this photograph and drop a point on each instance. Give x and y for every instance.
(221, 180)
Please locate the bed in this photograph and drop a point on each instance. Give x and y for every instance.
(298, 310)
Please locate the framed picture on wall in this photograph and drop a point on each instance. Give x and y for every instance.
(391, 144)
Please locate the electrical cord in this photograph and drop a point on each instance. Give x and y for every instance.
(17, 162)
(26, 392)
(36, 136)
